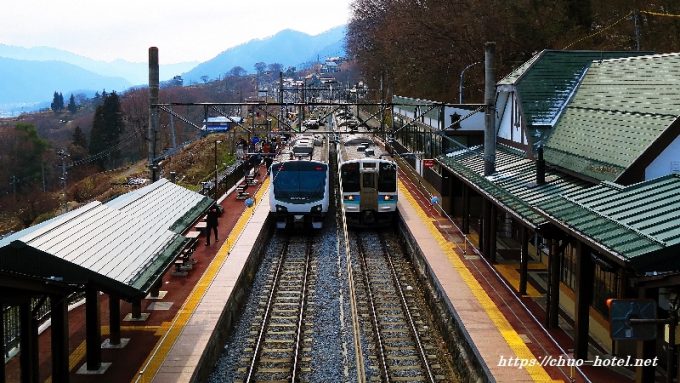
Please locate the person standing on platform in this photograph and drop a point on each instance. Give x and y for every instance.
(212, 224)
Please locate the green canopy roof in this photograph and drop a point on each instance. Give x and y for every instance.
(637, 224)
(513, 185)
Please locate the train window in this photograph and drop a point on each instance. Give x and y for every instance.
(368, 181)
(387, 177)
(369, 165)
(350, 177)
(299, 181)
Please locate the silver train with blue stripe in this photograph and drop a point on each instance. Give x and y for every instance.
(368, 181)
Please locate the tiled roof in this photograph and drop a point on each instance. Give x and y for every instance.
(548, 79)
(124, 244)
(513, 184)
(621, 107)
(638, 223)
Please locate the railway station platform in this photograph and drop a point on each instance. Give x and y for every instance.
(169, 346)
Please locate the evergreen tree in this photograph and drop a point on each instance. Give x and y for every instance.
(107, 127)
(79, 138)
(29, 149)
(57, 102)
(72, 104)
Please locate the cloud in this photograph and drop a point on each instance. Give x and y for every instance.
(182, 31)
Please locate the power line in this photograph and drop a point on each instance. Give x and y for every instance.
(598, 32)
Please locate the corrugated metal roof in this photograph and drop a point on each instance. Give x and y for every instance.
(549, 78)
(621, 107)
(513, 183)
(132, 236)
(633, 222)
(427, 108)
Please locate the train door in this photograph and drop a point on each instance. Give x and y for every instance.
(369, 189)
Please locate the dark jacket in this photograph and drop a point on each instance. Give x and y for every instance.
(212, 217)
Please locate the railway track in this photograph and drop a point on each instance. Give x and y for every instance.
(403, 347)
(280, 335)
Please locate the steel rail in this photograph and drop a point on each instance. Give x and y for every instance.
(407, 311)
(303, 298)
(265, 319)
(374, 315)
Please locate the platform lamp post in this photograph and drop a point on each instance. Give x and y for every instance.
(216, 185)
(460, 84)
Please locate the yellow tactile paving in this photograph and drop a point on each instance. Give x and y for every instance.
(510, 273)
(511, 337)
(154, 361)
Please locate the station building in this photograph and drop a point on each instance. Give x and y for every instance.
(583, 203)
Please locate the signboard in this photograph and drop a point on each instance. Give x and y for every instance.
(428, 162)
(621, 311)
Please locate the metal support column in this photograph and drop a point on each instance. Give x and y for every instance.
(523, 259)
(584, 296)
(553, 305)
(646, 349)
(493, 232)
(114, 320)
(60, 336)
(2, 344)
(484, 228)
(137, 309)
(93, 331)
(466, 210)
(28, 344)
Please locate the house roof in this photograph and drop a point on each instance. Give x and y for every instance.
(428, 108)
(512, 186)
(621, 108)
(547, 80)
(637, 224)
(122, 246)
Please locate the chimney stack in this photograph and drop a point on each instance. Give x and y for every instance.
(153, 110)
(540, 167)
(490, 113)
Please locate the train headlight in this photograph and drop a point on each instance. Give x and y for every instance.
(316, 209)
(349, 197)
(387, 197)
(281, 209)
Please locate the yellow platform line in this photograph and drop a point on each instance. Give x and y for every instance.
(537, 373)
(163, 347)
(510, 273)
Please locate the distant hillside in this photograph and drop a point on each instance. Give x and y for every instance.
(136, 73)
(288, 47)
(23, 81)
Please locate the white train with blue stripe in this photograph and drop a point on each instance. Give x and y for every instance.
(368, 181)
(300, 183)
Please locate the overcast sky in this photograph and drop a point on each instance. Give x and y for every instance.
(194, 30)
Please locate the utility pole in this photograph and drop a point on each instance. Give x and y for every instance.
(636, 22)
(63, 154)
(281, 107)
(13, 182)
(153, 110)
(489, 100)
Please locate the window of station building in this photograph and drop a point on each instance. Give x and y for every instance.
(568, 267)
(605, 286)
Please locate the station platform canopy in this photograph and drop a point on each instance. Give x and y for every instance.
(122, 247)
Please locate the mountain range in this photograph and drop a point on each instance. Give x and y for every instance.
(30, 76)
(287, 47)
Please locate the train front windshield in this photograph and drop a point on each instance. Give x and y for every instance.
(350, 177)
(387, 178)
(299, 182)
